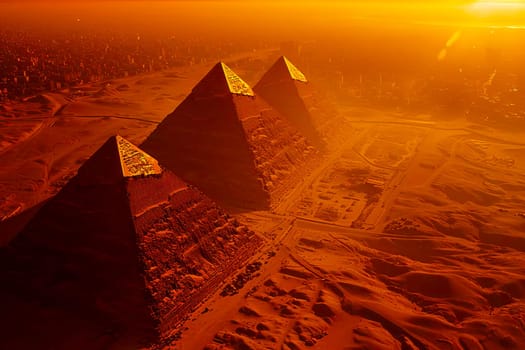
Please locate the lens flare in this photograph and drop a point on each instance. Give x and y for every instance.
(450, 42)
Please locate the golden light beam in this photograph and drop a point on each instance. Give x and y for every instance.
(450, 42)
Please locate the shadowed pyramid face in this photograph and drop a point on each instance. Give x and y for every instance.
(135, 162)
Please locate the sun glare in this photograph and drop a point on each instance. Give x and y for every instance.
(485, 7)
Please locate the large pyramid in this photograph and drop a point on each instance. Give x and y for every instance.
(117, 258)
(286, 89)
(229, 142)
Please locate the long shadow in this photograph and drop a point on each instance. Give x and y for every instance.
(11, 227)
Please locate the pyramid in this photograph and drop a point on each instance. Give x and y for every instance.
(230, 143)
(287, 90)
(117, 258)
(284, 70)
(221, 80)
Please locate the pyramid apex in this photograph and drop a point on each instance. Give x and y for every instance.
(222, 80)
(134, 161)
(235, 84)
(295, 73)
(282, 71)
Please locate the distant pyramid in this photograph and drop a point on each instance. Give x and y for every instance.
(230, 143)
(284, 70)
(117, 258)
(286, 89)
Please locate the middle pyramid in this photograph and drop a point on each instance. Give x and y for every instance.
(229, 143)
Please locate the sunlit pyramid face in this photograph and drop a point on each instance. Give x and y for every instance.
(135, 162)
(295, 73)
(235, 83)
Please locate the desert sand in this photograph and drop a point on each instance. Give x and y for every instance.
(407, 234)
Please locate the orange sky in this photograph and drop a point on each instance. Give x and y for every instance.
(288, 13)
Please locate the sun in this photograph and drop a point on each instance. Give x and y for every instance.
(487, 7)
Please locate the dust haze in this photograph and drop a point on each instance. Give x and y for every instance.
(262, 175)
